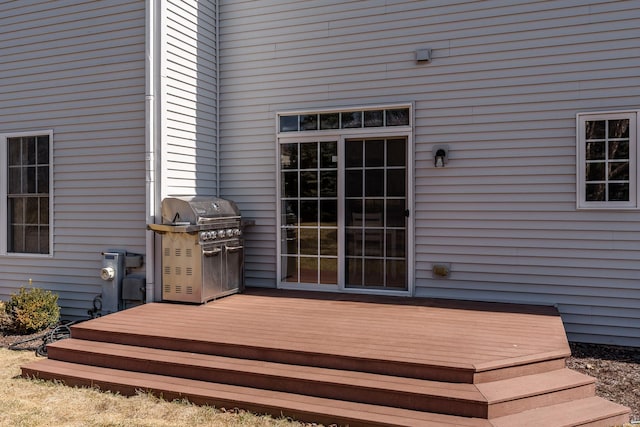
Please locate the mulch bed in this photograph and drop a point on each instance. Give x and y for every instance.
(616, 369)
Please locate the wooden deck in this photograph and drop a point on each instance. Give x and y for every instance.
(345, 359)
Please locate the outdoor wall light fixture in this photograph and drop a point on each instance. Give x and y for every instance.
(440, 155)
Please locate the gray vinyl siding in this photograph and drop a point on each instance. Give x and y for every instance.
(189, 98)
(503, 89)
(77, 68)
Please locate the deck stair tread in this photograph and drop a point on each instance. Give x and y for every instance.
(229, 396)
(592, 412)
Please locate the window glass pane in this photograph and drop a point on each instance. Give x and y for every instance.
(44, 240)
(353, 213)
(43, 150)
(353, 183)
(309, 270)
(373, 272)
(328, 241)
(328, 212)
(395, 183)
(15, 180)
(395, 243)
(353, 154)
(289, 156)
(619, 128)
(289, 123)
(396, 274)
(374, 153)
(619, 171)
(354, 271)
(309, 212)
(374, 118)
(328, 155)
(32, 211)
(396, 152)
(31, 239)
(595, 129)
(373, 243)
(289, 269)
(398, 117)
(330, 121)
(290, 212)
(30, 174)
(16, 210)
(309, 241)
(42, 186)
(374, 213)
(354, 242)
(328, 184)
(619, 192)
(44, 210)
(309, 155)
(16, 238)
(289, 184)
(351, 119)
(329, 271)
(619, 150)
(595, 192)
(595, 151)
(309, 122)
(396, 213)
(309, 184)
(374, 183)
(595, 171)
(29, 151)
(290, 243)
(14, 149)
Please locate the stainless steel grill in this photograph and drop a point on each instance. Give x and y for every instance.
(202, 248)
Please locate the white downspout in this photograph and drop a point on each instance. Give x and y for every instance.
(217, 46)
(151, 140)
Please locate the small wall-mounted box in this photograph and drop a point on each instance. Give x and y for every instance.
(440, 271)
(423, 55)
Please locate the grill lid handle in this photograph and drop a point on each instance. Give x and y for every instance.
(212, 252)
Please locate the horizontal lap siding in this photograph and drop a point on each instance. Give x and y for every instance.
(78, 68)
(503, 89)
(189, 88)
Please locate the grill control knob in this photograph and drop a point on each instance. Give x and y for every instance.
(212, 235)
(237, 232)
(229, 233)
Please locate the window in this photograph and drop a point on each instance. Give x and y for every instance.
(26, 193)
(607, 160)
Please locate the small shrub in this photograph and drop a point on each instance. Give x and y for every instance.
(6, 323)
(32, 310)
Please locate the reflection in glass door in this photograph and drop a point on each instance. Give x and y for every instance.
(309, 212)
(376, 213)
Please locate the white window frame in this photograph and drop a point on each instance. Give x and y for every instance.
(634, 160)
(340, 135)
(4, 193)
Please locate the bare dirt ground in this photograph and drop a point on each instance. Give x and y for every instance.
(616, 369)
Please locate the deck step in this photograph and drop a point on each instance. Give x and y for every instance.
(443, 370)
(587, 412)
(303, 408)
(486, 400)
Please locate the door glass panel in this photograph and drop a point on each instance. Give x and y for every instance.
(309, 209)
(375, 220)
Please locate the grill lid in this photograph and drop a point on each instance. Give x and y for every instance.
(196, 210)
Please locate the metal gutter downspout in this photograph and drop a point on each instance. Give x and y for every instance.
(151, 139)
(217, 46)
